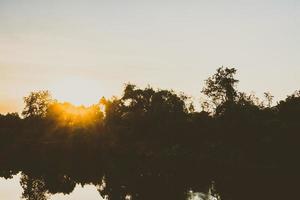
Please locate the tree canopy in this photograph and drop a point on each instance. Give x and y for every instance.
(150, 144)
(36, 104)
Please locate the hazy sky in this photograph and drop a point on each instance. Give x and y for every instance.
(82, 50)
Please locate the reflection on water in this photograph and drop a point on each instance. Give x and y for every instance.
(200, 196)
(10, 189)
(210, 195)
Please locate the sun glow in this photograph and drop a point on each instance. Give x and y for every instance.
(76, 90)
(66, 114)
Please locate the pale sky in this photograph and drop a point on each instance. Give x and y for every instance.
(84, 49)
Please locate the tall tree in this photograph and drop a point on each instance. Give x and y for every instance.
(36, 104)
(220, 87)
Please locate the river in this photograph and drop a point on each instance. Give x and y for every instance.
(10, 189)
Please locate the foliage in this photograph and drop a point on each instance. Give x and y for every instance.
(221, 86)
(149, 144)
(36, 104)
(34, 189)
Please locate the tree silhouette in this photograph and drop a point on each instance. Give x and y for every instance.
(33, 188)
(269, 98)
(221, 86)
(150, 144)
(36, 104)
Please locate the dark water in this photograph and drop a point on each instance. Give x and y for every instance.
(142, 179)
(243, 184)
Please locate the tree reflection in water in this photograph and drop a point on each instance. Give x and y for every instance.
(35, 189)
(152, 144)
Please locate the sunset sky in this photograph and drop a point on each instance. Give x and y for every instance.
(81, 50)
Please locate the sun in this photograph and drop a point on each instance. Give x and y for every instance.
(76, 90)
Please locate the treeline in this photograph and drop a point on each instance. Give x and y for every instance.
(152, 144)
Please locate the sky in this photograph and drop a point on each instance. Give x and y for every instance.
(82, 50)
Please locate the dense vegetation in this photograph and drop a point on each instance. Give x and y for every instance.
(152, 144)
